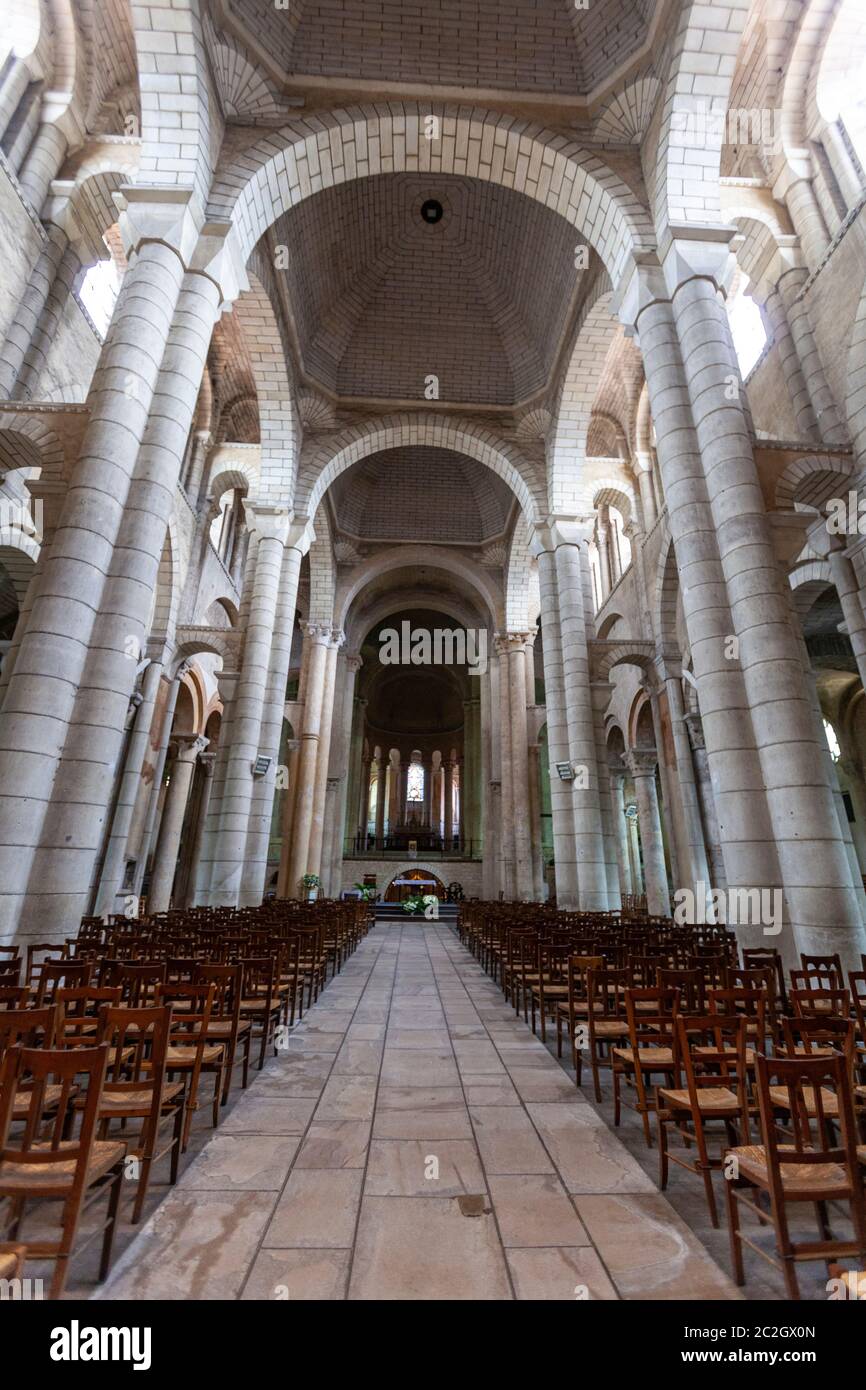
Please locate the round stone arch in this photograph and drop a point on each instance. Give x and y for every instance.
(626, 653)
(667, 596)
(413, 868)
(229, 475)
(610, 622)
(331, 459)
(306, 156)
(615, 492)
(810, 482)
(808, 582)
(26, 442)
(405, 556)
(362, 622)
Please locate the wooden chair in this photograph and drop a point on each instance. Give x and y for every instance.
(768, 955)
(30, 1028)
(49, 950)
(710, 1055)
(606, 1020)
(649, 1051)
(573, 1010)
(136, 1089)
(226, 1025)
(261, 1003)
(828, 969)
(811, 1169)
(690, 984)
(72, 1171)
(79, 1024)
(190, 1054)
(14, 996)
(823, 1002)
(56, 974)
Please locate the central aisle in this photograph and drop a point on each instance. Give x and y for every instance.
(415, 1141)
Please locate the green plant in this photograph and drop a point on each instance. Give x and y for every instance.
(310, 881)
(366, 892)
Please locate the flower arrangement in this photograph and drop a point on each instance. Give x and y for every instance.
(310, 884)
(366, 892)
(419, 903)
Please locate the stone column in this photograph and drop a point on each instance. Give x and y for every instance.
(381, 792)
(168, 844)
(706, 798)
(89, 615)
(564, 851)
(696, 865)
(832, 549)
(42, 164)
(602, 540)
(710, 522)
(508, 872)
(584, 789)
(671, 806)
(842, 165)
(271, 525)
(30, 308)
(778, 700)
(45, 332)
(644, 469)
(273, 713)
(601, 692)
(317, 828)
(114, 863)
(799, 196)
(514, 647)
(227, 681)
(201, 445)
(488, 877)
(631, 814)
(620, 828)
(15, 83)
(642, 765)
(318, 635)
(364, 795)
(206, 763)
(780, 333)
(831, 427)
(142, 834)
(342, 762)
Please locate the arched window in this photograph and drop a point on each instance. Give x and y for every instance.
(747, 326)
(832, 741)
(415, 782)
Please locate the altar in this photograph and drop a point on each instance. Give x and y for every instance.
(407, 885)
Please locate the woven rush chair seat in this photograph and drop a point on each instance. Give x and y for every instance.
(134, 1105)
(829, 1102)
(22, 1101)
(647, 1056)
(180, 1056)
(56, 1177)
(711, 1100)
(796, 1177)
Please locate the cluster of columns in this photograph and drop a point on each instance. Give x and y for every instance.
(304, 850)
(65, 714)
(773, 790)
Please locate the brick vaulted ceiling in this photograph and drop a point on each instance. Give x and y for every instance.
(421, 494)
(383, 300)
(522, 45)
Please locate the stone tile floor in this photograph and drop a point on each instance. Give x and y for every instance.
(415, 1141)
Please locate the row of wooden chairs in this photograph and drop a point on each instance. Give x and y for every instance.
(746, 1071)
(104, 1055)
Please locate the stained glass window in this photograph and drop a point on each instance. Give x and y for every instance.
(415, 783)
